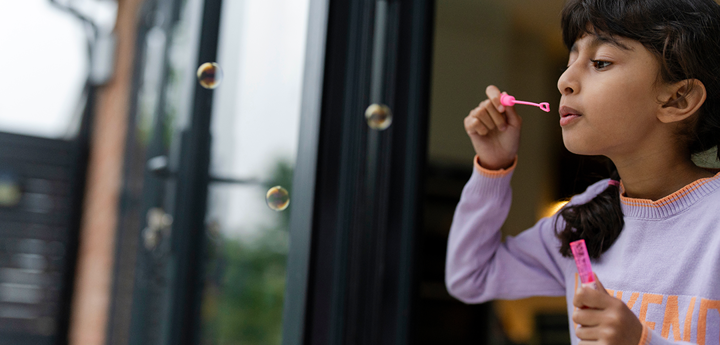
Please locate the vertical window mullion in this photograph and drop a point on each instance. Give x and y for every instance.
(359, 277)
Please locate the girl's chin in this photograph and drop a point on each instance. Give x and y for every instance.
(580, 146)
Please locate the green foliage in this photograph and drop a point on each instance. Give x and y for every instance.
(250, 303)
(245, 284)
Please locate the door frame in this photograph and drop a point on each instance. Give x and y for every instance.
(351, 263)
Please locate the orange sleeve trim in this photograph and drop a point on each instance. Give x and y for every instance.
(645, 336)
(494, 173)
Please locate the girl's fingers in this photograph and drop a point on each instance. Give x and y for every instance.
(494, 94)
(513, 119)
(587, 317)
(484, 115)
(497, 118)
(599, 284)
(469, 123)
(591, 298)
(489, 117)
(474, 126)
(587, 333)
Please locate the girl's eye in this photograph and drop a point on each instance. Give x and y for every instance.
(598, 64)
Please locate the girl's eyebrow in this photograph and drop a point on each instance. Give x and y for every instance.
(599, 40)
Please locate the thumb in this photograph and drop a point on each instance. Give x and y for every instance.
(513, 118)
(599, 284)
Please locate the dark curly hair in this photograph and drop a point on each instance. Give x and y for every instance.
(684, 35)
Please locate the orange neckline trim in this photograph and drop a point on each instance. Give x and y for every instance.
(668, 199)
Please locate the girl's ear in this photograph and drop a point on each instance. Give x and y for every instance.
(682, 100)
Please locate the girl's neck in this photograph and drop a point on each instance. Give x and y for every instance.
(656, 176)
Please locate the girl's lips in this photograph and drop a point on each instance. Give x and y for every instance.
(567, 115)
(565, 111)
(565, 120)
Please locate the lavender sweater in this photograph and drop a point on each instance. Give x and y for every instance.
(665, 265)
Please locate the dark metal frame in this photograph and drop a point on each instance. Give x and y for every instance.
(166, 294)
(188, 240)
(134, 312)
(361, 229)
(304, 178)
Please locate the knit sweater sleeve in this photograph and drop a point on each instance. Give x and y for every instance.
(479, 266)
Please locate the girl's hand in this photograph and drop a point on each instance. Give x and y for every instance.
(494, 131)
(604, 319)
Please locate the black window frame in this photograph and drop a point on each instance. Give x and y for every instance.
(360, 188)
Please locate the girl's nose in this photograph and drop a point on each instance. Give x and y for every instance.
(567, 83)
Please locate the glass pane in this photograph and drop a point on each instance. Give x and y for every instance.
(255, 135)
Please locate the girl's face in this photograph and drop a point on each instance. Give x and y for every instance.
(609, 99)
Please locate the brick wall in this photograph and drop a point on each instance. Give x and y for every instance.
(93, 283)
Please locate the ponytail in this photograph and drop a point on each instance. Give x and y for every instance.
(598, 222)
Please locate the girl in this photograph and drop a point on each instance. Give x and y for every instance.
(642, 87)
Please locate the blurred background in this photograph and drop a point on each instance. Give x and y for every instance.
(134, 191)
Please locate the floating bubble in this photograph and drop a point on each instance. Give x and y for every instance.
(378, 116)
(210, 75)
(277, 198)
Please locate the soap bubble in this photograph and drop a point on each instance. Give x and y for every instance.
(277, 198)
(210, 75)
(378, 116)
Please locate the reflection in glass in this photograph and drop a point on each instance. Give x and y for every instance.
(245, 274)
(255, 125)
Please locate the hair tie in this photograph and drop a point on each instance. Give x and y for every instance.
(615, 183)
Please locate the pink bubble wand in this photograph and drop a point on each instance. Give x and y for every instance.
(582, 261)
(509, 101)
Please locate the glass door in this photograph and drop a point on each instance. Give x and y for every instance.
(255, 128)
(276, 197)
(203, 242)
